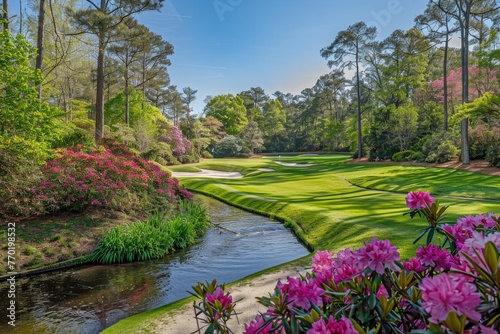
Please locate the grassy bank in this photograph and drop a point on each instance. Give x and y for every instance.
(330, 205)
(56, 239)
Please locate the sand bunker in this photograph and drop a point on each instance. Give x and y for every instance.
(216, 174)
(266, 169)
(293, 164)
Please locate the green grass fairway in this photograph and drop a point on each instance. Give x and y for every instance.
(332, 205)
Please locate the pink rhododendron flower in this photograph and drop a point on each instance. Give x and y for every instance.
(460, 233)
(480, 329)
(224, 299)
(413, 264)
(474, 246)
(472, 222)
(444, 293)
(322, 265)
(382, 291)
(485, 221)
(417, 200)
(377, 255)
(468, 222)
(302, 293)
(257, 326)
(343, 326)
(435, 257)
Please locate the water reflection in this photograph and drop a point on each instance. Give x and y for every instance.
(89, 299)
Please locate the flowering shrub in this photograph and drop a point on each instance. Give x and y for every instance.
(214, 308)
(108, 176)
(173, 136)
(452, 287)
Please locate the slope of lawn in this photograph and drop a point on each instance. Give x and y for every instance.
(328, 204)
(439, 181)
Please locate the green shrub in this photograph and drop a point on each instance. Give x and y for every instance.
(403, 156)
(446, 151)
(189, 157)
(408, 155)
(206, 155)
(74, 137)
(18, 178)
(432, 142)
(152, 239)
(493, 154)
(162, 153)
(418, 157)
(30, 250)
(181, 232)
(229, 146)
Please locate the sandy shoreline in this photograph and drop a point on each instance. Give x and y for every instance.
(244, 294)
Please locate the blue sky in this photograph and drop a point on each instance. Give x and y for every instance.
(227, 46)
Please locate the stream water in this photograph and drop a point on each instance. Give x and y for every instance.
(91, 298)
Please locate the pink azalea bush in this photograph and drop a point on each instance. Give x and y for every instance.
(108, 176)
(451, 287)
(173, 136)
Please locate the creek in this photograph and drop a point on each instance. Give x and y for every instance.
(91, 298)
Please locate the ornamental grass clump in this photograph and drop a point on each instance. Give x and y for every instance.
(107, 176)
(153, 239)
(452, 286)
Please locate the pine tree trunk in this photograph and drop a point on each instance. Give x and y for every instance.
(465, 87)
(127, 98)
(5, 15)
(39, 42)
(358, 86)
(99, 106)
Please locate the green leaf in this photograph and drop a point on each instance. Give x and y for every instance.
(372, 301)
(480, 270)
(422, 234)
(491, 256)
(430, 236)
(455, 323)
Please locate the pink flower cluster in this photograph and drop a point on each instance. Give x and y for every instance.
(465, 227)
(433, 256)
(106, 176)
(343, 326)
(481, 80)
(258, 326)
(219, 296)
(174, 138)
(378, 255)
(417, 200)
(445, 293)
(301, 293)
